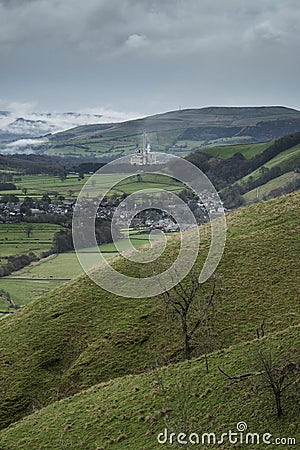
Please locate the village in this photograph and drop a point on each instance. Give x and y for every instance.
(61, 211)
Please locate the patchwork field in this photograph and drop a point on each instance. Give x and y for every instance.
(45, 275)
(14, 239)
(40, 184)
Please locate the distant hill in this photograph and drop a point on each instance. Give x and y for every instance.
(81, 335)
(177, 132)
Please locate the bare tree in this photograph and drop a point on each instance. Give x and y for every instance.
(192, 309)
(260, 332)
(277, 377)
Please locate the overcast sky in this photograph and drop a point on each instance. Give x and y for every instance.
(134, 57)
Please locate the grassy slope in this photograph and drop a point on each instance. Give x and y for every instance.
(266, 188)
(80, 335)
(283, 160)
(290, 155)
(226, 151)
(287, 160)
(128, 413)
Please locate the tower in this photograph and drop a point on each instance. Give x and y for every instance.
(143, 155)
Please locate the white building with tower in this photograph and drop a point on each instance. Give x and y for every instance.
(143, 155)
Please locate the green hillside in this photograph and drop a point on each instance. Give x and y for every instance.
(275, 176)
(177, 132)
(285, 161)
(80, 335)
(130, 412)
(227, 151)
(263, 191)
(237, 170)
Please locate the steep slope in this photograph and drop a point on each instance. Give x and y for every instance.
(130, 412)
(177, 131)
(80, 335)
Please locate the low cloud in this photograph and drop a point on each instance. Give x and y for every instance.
(25, 142)
(20, 118)
(20, 125)
(24, 146)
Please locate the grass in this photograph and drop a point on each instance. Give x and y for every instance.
(80, 335)
(265, 189)
(286, 160)
(24, 291)
(13, 242)
(46, 274)
(288, 156)
(66, 265)
(130, 412)
(39, 184)
(61, 266)
(226, 151)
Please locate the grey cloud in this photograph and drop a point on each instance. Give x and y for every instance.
(149, 54)
(176, 26)
(24, 146)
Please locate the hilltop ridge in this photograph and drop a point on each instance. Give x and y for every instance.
(177, 132)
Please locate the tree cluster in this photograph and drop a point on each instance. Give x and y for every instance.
(63, 240)
(7, 186)
(17, 262)
(50, 165)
